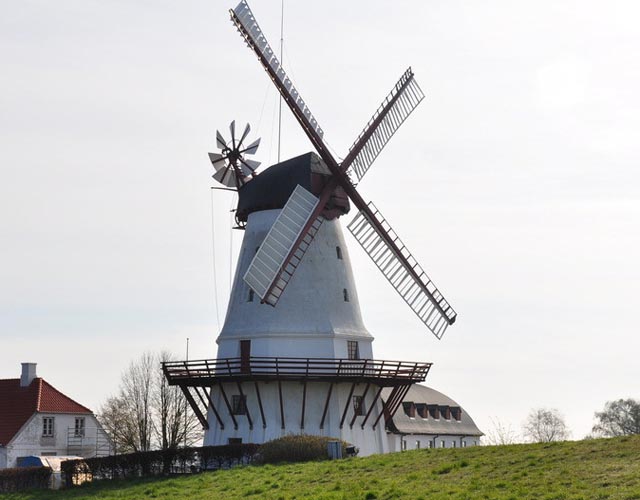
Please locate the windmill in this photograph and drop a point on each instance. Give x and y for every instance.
(285, 245)
(294, 355)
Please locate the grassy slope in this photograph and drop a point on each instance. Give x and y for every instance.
(597, 469)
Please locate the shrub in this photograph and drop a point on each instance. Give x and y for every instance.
(23, 478)
(297, 448)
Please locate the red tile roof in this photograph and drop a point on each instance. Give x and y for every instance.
(17, 404)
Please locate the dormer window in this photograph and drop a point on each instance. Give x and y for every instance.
(409, 409)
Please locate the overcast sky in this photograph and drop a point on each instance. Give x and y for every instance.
(515, 184)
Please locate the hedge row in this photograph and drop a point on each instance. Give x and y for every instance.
(160, 462)
(24, 478)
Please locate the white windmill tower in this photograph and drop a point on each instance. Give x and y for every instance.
(294, 355)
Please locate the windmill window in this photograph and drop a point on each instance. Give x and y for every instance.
(47, 427)
(358, 405)
(345, 295)
(239, 404)
(250, 298)
(353, 350)
(339, 253)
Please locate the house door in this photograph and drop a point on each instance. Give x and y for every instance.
(245, 355)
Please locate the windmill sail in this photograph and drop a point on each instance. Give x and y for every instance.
(394, 110)
(412, 283)
(279, 255)
(247, 25)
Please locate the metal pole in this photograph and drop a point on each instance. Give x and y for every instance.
(186, 409)
(282, 63)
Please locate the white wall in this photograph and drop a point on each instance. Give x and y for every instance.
(29, 440)
(368, 440)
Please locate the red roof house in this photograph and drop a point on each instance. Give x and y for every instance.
(38, 419)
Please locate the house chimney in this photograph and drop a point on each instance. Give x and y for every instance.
(28, 374)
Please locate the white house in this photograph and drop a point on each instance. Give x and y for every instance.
(429, 419)
(37, 419)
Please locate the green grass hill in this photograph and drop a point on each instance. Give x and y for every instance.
(592, 469)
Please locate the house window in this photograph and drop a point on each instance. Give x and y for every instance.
(250, 298)
(417, 445)
(239, 405)
(47, 427)
(353, 351)
(345, 295)
(442, 444)
(339, 253)
(453, 444)
(463, 444)
(79, 427)
(404, 445)
(358, 405)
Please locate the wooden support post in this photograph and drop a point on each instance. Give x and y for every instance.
(226, 401)
(346, 407)
(194, 406)
(304, 401)
(246, 405)
(264, 422)
(213, 408)
(355, 415)
(373, 405)
(326, 405)
(281, 405)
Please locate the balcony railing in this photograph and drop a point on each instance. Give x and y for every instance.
(203, 373)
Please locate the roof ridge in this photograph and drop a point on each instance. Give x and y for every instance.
(39, 399)
(65, 396)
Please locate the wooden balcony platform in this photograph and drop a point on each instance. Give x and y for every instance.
(208, 372)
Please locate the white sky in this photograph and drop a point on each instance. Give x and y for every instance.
(514, 183)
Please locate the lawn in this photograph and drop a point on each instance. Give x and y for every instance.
(593, 469)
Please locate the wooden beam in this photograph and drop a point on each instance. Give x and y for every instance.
(326, 405)
(264, 422)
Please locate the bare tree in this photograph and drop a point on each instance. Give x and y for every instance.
(544, 425)
(500, 433)
(619, 418)
(147, 413)
(119, 424)
(176, 424)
